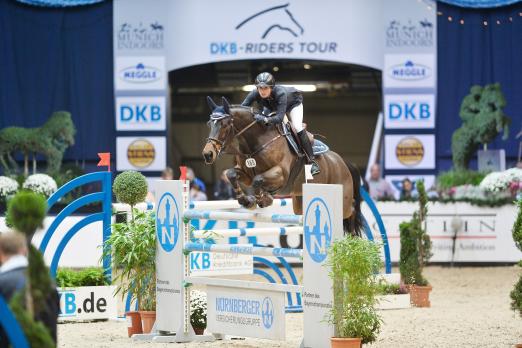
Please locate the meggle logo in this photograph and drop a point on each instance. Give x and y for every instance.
(409, 71)
(140, 74)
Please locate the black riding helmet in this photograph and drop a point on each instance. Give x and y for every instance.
(265, 80)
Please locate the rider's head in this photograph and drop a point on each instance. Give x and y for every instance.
(264, 84)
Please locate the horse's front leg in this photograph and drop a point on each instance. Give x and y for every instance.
(235, 175)
(269, 181)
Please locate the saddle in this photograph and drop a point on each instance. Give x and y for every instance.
(288, 131)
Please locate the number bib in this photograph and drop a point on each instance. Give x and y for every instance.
(250, 162)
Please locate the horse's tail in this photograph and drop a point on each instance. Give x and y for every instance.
(354, 224)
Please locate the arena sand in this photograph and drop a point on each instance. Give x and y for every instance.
(469, 308)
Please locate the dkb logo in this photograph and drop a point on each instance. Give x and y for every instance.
(167, 222)
(267, 312)
(317, 229)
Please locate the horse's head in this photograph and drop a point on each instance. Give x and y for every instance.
(61, 128)
(221, 130)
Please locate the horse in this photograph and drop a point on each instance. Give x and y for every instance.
(265, 165)
(50, 140)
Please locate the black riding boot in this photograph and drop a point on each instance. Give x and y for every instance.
(307, 147)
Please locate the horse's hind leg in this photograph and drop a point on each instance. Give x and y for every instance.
(269, 181)
(234, 175)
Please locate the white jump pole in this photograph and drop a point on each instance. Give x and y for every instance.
(258, 217)
(231, 204)
(244, 249)
(246, 232)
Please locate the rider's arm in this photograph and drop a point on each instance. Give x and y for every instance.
(281, 101)
(250, 98)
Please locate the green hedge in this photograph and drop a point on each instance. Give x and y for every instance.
(454, 178)
(67, 278)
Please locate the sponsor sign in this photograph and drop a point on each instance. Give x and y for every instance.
(87, 302)
(481, 234)
(409, 111)
(139, 35)
(396, 182)
(169, 280)
(303, 29)
(141, 153)
(410, 33)
(212, 264)
(322, 223)
(409, 151)
(140, 73)
(140, 113)
(246, 312)
(409, 71)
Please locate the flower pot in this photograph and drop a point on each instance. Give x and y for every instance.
(345, 342)
(133, 323)
(147, 320)
(199, 330)
(420, 295)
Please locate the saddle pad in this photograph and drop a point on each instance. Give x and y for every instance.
(320, 147)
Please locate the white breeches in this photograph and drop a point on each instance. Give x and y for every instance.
(296, 117)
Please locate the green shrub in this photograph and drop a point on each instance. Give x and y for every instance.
(415, 243)
(92, 276)
(26, 212)
(130, 187)
(353, 262)
(517, 227)
(516, 297)
(133, 249)
(454, 178)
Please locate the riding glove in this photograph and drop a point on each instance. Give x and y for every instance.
(261, 119)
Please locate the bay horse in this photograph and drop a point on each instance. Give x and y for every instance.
(276, 169)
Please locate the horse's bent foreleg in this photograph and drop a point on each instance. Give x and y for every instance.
(269, 181)
(234, 176)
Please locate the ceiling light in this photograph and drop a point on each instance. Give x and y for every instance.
(307, 66)
(302, 88)
(275, 68)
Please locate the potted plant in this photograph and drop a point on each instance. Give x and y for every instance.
(353, 263)
(516, 293)
(132, 245)
(198, 311)
(415, 252)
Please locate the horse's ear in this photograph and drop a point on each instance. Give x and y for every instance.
(226, 105)
(211, 103)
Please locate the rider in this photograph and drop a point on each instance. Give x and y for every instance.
(282, 100)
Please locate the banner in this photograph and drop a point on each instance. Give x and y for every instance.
(141, 153)
(409, 151)
(140, 83)
(207, 31)
(409, 85)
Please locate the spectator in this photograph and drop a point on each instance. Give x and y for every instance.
(379, 188)
(167, 174)
(196, 194)
(193, 178)
(407, 191)
(14, 264)
(223, 190)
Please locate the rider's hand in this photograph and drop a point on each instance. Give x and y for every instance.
(261, 119)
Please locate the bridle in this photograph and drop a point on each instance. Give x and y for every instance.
(214, 141)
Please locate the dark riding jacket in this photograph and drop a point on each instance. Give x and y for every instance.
(281, 100)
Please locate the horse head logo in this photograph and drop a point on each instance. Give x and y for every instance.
(277, 18)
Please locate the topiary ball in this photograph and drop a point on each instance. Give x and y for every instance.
(26, 211)
(130, 187)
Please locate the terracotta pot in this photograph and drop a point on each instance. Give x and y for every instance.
(420, 295)
(519, 345)
(199, 330)
(345, 342)
(133, 323)
(147, 320)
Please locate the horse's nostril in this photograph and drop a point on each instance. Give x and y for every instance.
(208, 156)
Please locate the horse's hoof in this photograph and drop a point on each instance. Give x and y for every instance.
(265, 201)
(248, 202)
